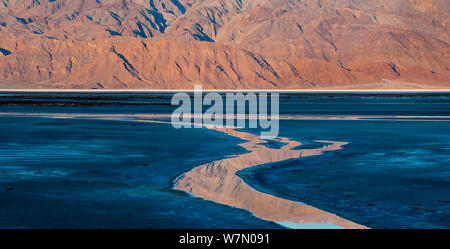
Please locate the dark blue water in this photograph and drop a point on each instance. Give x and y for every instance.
(391, 175)
(107, 174)
(71, 173)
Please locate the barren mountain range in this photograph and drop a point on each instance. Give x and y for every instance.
(223, 44)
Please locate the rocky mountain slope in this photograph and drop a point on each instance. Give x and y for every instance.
(222, 44)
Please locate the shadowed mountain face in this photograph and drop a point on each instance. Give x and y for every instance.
(223, 44)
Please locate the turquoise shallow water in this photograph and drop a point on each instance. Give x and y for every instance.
(71, 173)
(310, 225)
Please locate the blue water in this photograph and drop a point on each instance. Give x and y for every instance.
(107, 174)
(310, 225)
(391, 175)
(85, 173)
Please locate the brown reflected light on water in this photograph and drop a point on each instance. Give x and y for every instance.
(217, 181)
